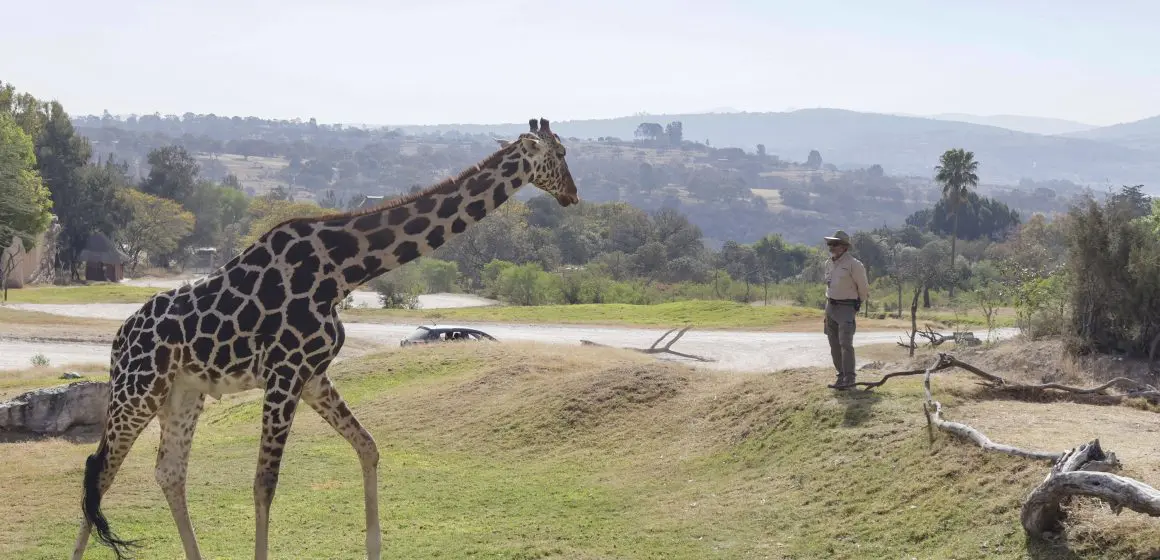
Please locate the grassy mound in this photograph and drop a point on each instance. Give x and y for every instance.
(522, 451)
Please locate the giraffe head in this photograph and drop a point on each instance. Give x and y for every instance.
(544, 149)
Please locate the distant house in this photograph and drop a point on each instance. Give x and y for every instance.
(104, 260)
(369, 201)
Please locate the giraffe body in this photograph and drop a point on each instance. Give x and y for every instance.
(268, 320)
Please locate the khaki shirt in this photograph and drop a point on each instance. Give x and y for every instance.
(846, 278)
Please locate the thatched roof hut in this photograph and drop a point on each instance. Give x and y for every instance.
(104, 260)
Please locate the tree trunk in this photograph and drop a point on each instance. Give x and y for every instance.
(913, 320)
(926, 297)
(954, 238)
(900, 299)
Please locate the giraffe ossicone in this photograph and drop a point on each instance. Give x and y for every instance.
(267, 319)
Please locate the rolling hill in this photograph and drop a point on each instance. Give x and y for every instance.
(1140, 135)
(902, 145)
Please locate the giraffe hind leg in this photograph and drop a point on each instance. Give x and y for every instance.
(277, 417)
(124, 422)
(322, 396)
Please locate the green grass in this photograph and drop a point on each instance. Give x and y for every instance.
(517, 451)
(92, 293)
(703, 314)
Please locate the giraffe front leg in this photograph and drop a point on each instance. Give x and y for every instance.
(277, 416)
(321, 395)
(178, 419)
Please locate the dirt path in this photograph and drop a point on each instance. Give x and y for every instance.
(733, 350)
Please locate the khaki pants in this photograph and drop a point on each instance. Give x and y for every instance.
(840, 327)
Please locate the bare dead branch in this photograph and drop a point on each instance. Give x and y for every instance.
(940, 365)
(658, 341)
(666, 349)
(1130, 387)
(933, 410)
(1082, 471)
(934, 416)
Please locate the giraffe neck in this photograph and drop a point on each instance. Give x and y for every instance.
(355, 248)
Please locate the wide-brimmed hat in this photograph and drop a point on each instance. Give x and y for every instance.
(838, 237)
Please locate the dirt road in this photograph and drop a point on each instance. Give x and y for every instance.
(732, 350)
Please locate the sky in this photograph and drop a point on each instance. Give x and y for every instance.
(490, 61)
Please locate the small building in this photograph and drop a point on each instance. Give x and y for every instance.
(13, 262)
(104, 260)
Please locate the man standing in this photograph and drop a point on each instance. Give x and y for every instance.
(846, 290)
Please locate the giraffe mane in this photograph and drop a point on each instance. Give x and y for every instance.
(446, 186)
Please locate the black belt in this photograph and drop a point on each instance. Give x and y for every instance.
(843, 301)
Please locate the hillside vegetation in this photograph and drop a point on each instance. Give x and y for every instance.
(562, 452)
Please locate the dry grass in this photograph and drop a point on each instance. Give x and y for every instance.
(259, 173)
(34, 325)
(529, 451)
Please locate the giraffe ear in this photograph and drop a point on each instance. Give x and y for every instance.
(502, 143)
(531, 144)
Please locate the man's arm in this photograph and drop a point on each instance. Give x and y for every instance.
(860, 281)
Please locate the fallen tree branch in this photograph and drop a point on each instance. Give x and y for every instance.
(1131, 387)
(933, 410)
(666, 349)
(933, 339)
(938, 366)
(1082, 471)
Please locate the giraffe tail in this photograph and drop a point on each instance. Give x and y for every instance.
(91, 504)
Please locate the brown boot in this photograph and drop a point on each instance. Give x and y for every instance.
(845, 381)
(841, 383)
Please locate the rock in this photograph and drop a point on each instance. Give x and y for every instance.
(53, 410)
(70, 375)
(871, 366)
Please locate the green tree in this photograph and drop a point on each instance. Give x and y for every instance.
(265, 213)
(957, 173)
(156, 225)
(814, 160)
(24, 200)
(172, 174)
(921, 269)
(437, 275)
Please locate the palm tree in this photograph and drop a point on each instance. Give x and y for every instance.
(956, 173)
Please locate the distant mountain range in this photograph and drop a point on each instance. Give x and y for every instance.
(907, 145)
(1019, 123)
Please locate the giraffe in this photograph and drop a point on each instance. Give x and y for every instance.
(267, 320)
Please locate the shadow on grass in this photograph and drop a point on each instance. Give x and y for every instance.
(1058, 549)
(859, 405)
(76, 434)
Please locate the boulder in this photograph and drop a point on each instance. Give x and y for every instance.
(53, 410)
